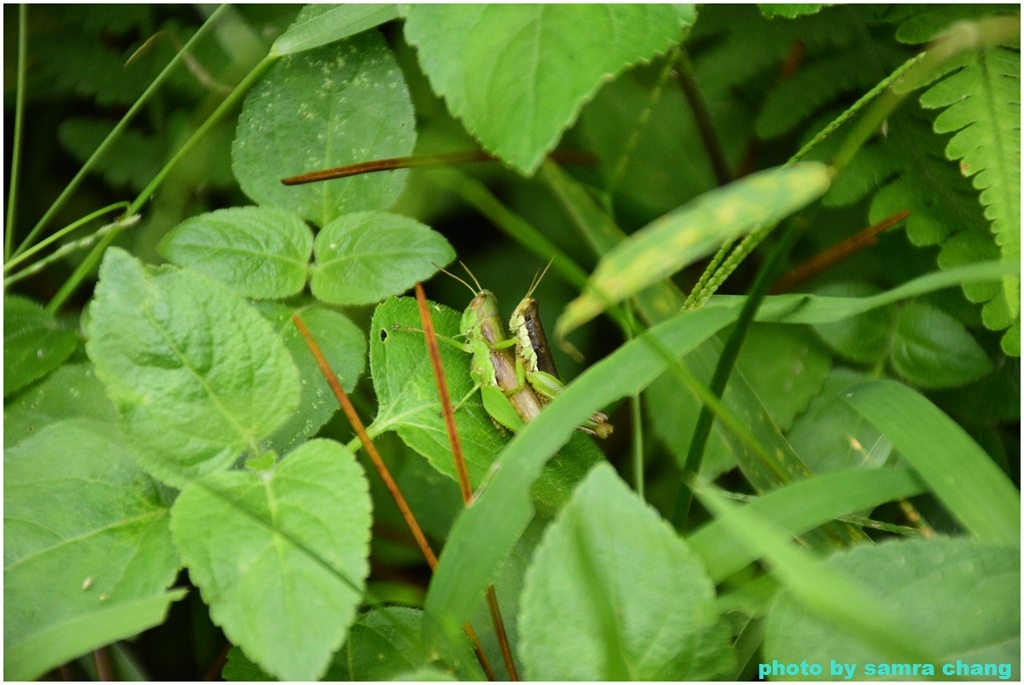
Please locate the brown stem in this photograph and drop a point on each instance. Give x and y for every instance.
(412, 161)
(382, 470)
(836, 253)
(104, 670)
(460, 463)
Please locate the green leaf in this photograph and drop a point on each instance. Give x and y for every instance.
(691, 232)
(364, 257)
(259, 252)
(197, 375)
(664, 628)
(831, 436)
(72, 391)
(956, 469)
(864, 338)
(518, 75)
(343, 345)
(407, 394)
(786, 10)
(320, 109)
(965, 596)
(319, 25)
(42, 652)
(284, 568)
(933, 350)
(87, 551)
(34, 343)
(784, 367)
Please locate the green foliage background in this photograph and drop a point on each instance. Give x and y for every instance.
(178, 482)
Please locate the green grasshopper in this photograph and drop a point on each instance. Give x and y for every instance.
(534, 353)
(513, 384)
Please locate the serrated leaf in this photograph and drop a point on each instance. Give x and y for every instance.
(319, 25)
(665, 628)
(72, 391)
(259, 252)
(284, 568)
(34, 342)
(364, 257)
(957, 470)
(336, 105)
(343, 345)
(693, 231)
(965, 596)
(197, 375)
(517, 75)
(85, 536)
(933, 350)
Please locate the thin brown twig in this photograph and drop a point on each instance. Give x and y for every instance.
(836, 253)
(382, 470)
(434, 352)
(104, 669)
(392, 163)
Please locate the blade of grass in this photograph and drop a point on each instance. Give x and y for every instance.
(803, 506)
(957, 470)
(19, 118)
(815, 585)
(117, 131)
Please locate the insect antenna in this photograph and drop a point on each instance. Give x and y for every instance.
(479, 288)
(538, 277)
(449, 273)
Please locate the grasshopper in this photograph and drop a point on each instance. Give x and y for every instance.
(534, 354)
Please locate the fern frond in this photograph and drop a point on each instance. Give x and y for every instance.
(979, 97)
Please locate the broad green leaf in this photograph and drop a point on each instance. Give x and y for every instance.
(319, 25)
(34, 343)
(830, 436)
(408, 404)
(196, 374)
(485, 534)
(87, 551)
(693, 231)
(957, 470)
(788, 10)
(963, 595)
(842, 601)
(785, 367)
(72, 391)
(107, 625)
(518, 75)
(284, 568)
(933, 350)
(662, 628)
(320, 109)
(800, 507)
(343, 345)
(259, 252)
(364, 257)
(864, 338)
